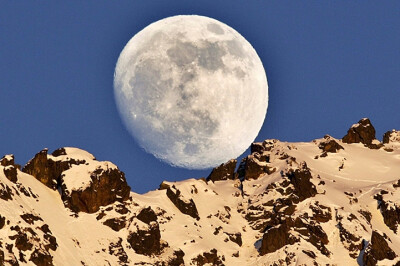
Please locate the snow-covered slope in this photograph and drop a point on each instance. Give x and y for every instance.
(310, 203)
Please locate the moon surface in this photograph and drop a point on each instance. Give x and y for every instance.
(191, 91)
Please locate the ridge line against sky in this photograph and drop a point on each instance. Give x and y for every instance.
(328, 65)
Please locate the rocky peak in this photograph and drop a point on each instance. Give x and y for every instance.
(223, 172)
(287, 205)
(392, 136)
(48, 168)
(254, 166)
(102, 185)
(329, 144)
(362, 132)
(10, 168)
(7, 160)
(85, 183)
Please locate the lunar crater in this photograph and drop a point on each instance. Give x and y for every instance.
(215, 28)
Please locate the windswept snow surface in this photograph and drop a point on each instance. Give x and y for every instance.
(346, 183)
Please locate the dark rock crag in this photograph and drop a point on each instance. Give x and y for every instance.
(285, 207)
(211, 258)
(10, 168)
(146, 241)
(330, 145)
(224, 171)
(390, 211)
(47, 170)
(107, 186)
(253, 167)
(378, 249)
(186, 206)
(362, 132)
(391, 136)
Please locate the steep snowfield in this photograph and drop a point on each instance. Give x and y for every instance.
(289, 204)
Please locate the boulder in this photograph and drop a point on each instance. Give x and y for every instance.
(349, 233)
(223, 172)
(144, 235)
(362, 132)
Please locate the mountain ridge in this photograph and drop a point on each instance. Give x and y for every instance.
(328, 201)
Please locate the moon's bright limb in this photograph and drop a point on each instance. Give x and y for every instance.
(191, 90)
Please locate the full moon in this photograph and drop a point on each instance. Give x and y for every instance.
(191, 91)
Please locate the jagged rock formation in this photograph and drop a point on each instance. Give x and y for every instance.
(328, 201)
(392, 136)
(10, 168)
(185, 205)
(85, 184)
(223, 172)
(362, 132)
(378, 250)
(329, 144)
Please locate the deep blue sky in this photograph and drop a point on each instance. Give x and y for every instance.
(329, 63)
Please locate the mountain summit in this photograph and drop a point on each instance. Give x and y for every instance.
(328, 201)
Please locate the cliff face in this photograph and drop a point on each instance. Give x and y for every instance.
(328, 201)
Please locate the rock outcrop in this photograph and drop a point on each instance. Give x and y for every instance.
(284, 206)
(146, 239)
(362, 132)
(301, 181)
(277, 237)
(210, 258)
(392, 136)
(85, 183)
(105, 186)
(10, 168)
(330, 145)
(378, 249)
(186, 206)
(224, 171)
(253, 167)
(48, 169)
(390, 209)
